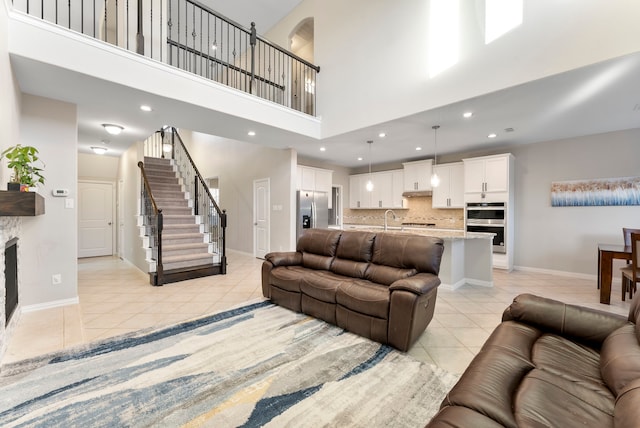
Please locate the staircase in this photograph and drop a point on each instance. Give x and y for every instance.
(186, 249)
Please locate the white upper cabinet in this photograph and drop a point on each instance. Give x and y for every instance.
(386, 193)
(314, 180)
(450, 192)
(417, 175)
(487, 176)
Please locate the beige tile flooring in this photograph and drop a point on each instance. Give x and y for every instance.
(116, 298)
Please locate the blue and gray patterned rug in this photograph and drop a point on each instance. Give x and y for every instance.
(257, 365)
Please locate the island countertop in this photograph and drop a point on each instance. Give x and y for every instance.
(453, 234)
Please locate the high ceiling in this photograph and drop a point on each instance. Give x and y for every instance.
(595, 99)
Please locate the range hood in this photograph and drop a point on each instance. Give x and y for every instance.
(416, 193)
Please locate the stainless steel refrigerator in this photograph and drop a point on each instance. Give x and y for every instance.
(312, 211)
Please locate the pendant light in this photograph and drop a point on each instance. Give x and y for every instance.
(435, 180)
(369, 184)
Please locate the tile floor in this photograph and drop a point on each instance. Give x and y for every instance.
(116, 298)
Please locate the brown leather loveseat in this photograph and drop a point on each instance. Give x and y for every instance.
(550, 364)
(382, 286)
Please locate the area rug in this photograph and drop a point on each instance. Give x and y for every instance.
(257, 365)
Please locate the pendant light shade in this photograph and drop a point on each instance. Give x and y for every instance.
(369, 185)
(435, 180)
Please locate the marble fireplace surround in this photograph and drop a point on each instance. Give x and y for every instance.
(10, 228)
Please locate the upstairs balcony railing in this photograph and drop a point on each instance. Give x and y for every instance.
(189, 35)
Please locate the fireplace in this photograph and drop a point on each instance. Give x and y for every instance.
(11, 277)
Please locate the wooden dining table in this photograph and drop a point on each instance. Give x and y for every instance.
(606, 254)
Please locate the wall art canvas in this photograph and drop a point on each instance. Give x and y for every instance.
(597, 192)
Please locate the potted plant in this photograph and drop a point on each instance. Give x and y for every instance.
(26, 165)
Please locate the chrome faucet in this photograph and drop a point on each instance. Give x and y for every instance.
(385, 217)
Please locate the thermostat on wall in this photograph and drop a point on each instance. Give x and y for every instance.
(60, 192)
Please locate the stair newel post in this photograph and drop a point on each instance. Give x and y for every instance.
(173, 143)
(159, 270)
(223, 259)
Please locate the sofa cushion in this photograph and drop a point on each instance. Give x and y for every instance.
(620, 358)
(322, 285)
(288, 277)
(387, 275)
(316, 262)
(356, 246)
(364, 297)
(547, 399)
(422, 253)
(322, 242)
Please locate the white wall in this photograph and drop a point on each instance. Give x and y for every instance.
(237, 165)
(566, 238)
(129, 173)
(49, 242)
(373, 54)
(97, 167)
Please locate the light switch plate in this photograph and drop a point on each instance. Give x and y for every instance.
(68, 203)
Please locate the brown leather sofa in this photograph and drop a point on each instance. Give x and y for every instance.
(550, 364)
(382, 286)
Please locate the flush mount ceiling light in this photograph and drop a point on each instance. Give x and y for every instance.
(112, 129)
(145, 107)
(251, 133)
(99, 150)
(418, 149)
(369, 185)
(323, 149)
(435, 180)
(467, 114)
(382, 135)
(359, 158)
(492, 135)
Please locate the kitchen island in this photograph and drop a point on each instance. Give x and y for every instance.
(467, 256)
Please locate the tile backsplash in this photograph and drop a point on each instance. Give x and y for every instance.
(418, 210)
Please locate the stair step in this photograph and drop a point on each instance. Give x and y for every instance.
(182, 239)
(167, 194)
(180, 228)
(171, 202)
(179, 219)
(156, 161)
(164, 184)
(173, 211)
(185, 261)
(170, 250)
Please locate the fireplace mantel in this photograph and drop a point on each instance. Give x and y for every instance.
(21, 203)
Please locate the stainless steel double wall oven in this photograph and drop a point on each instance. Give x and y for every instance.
(488, 217)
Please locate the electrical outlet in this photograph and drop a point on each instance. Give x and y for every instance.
(56, 279)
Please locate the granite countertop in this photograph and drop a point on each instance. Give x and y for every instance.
(439, 233)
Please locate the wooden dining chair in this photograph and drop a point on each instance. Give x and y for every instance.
(631, 272)
(626, 234)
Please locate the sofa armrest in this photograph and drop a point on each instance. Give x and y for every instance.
(289, 258)
(587, 325)
(421, 283)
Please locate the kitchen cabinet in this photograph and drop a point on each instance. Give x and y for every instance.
(417, 175)
(386, 193)
(315, 180)
(488, 177)
(450, 192)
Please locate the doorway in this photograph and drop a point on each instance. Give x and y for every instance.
(303, 85)
(95, 218)
(261, 220)
(335, 212)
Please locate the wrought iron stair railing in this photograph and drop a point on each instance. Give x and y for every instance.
(152, 221)
(189, 35)
(213, 218)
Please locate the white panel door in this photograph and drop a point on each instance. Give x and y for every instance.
(95, 219)
(261, 224)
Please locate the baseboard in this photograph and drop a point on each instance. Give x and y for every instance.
(557, 272)
(49, 305)
(467, 281)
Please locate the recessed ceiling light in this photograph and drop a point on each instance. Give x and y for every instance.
(418, 148)
(112, 129)
(492, 135)
(251, 133)
(322, 149)
(99, 150)
(145, 108)
(360, 158)
(467, 114)
(382, 135)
